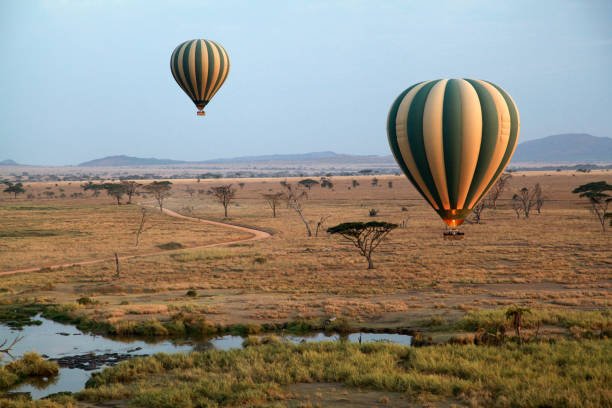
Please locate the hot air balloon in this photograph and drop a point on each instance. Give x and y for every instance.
(200, 67)
(453, 138)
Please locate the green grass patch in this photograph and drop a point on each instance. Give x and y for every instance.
(30, 208)
(561, 373)
(584, 319)
(38, 233)
(18, 315)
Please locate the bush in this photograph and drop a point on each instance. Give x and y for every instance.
(33, 365)
(373, 212)
(86, 300)
(191, 293)
(171, 245)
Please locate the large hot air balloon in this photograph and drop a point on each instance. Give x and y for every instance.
(200, 68)
(453, 138)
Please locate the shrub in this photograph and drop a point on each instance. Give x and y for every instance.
(86, 300)
(259, 260)
(171, 245)
(33, 365)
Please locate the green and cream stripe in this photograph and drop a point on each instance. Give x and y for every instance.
(200, 67)
(453, 138)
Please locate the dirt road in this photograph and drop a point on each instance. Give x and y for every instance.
(256, 235)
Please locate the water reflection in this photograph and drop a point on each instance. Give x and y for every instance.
(55, 340)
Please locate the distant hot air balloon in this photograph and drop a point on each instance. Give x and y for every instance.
(453, 138)
(200, 68)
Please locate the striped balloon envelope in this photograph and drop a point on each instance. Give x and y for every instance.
(453, 138)
(200, 67)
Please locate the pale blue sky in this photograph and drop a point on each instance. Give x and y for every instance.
(85, 79)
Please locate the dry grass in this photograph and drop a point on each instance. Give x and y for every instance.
(557, 258)
(42, 234)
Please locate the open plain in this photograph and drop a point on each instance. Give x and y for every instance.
(557, 258)
(188, 276)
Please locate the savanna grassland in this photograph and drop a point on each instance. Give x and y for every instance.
(559, 258)
(557, 263)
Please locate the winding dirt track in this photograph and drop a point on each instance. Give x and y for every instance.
(256, 235)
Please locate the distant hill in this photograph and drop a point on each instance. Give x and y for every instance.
(122, 160)
(328, 157)
(565, 148)
(8, 162)
(301, 157)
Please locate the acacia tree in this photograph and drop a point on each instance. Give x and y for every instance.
(116, 190)
(131, 189)
(160, 191)
(95, 188)
(224, 195)
(308, 183)
(597, 194)
(273, 199)
(15, 189)
(366, 236)
(294, 197)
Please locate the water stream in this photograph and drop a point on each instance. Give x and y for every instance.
(55, 340)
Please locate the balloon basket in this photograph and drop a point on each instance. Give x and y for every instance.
(453, 234)
(201, 113)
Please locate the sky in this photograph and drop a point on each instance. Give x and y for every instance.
(86, 79)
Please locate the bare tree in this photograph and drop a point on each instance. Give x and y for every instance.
(516, 314)
(525, 200)
(190, 191)
(117, 267)
(479, 208)
(131, 189)
(273, 199)
(597, 194)
(241, 185)
(141, 225)
(366, 236)
(6, 348)
(498, 188)
(224, 195)
(160, 190)
(538, 198)
(294, 197)
(319, 224)
(517, 206)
